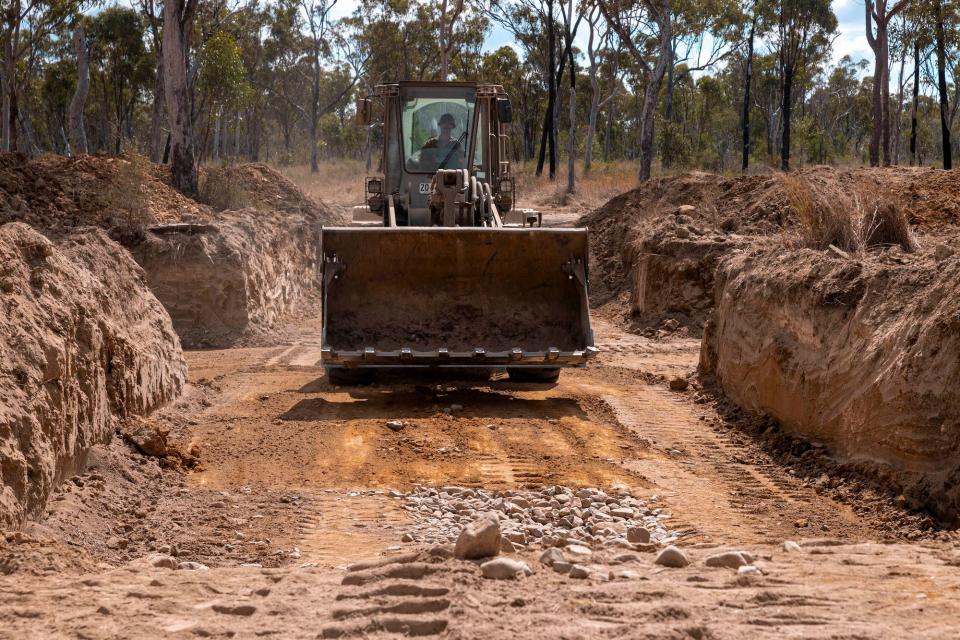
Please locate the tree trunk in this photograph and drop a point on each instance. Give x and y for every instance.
(668, 100)
(747, 82)
(942, 87)
(157, 139)
(916, 100)
(315, 111)
(546, 136)
(785, 109)
(78, 137)
(552, 134)
(216, 136)
(444, 52)
(572, 130)
(648, 115)
(4, 110)
(896, 121)
(877, 129)
(608, 132)
(885, 100)
(236, 138)
(177, 24)
(10, 102)
(591, 121)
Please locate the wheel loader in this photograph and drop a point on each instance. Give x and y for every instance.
(439, 269)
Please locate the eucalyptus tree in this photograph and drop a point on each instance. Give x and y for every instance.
(122, 66)
(24, 25)
(178, 22)
(878, 15)
(799, 32)
(636, 24)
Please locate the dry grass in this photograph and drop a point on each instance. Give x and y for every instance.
(221, 191)
(339, 183)
(605, 181)
(850, 219)
(126, 198)
(884, 223)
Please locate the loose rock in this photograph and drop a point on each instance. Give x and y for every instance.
(672, 557)
(504, 569)
(728, 560)
(579, 572)
(551, 556)
(638, 535)
(163, 561)
(480, 539)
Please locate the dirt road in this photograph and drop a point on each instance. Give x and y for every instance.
(300, 478)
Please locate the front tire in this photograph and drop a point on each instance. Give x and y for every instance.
(349, 377)
(534, 374)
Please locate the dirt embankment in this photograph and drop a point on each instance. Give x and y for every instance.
(222, 274)
(654, 250)
(236, 274)
(117, 193)
(862, 355)
(221, 281)
(858, 350)
(82, 342)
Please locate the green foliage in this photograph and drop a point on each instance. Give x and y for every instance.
(223, 78)
(254, 76)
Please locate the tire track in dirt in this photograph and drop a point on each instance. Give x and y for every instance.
(709, 486)
(340, 527)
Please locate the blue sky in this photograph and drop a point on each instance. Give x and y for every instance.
(850, 40)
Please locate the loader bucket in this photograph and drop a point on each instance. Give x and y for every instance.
(455, 296)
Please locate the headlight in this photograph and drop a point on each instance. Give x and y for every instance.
(374, 185)
(506, 185)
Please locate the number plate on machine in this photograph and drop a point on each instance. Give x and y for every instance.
(424, 187)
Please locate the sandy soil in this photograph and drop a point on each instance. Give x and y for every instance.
(295, 483)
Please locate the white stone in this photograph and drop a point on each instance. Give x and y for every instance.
(672, 557)
(480, 539)
(504, 568)
(727, 559)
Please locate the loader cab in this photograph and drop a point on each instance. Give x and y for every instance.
(431, 126)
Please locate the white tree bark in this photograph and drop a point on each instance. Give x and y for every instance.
(78, 136)
(177, 24)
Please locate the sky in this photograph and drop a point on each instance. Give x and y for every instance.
(851, 39)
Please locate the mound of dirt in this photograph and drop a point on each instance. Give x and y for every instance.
(639, 238)
(57, 194)
(238, 274)
(862, 355)
(651, 247)
(82, 342)
(268, 190)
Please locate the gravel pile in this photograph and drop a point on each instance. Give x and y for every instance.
(553, 516)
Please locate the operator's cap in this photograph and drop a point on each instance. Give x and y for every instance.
(447, 119)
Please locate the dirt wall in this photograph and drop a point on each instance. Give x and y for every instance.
(862, 355)
(651, 250)
(82, 342)
(233, 275)
(673, 271)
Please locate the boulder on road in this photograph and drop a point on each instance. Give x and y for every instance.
(479, 539)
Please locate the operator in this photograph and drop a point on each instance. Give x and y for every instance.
(444, 147)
